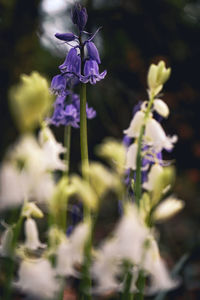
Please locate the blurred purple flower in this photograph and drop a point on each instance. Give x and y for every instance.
(58, 84)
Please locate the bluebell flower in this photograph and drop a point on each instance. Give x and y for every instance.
(66, 116)
(91, 72)
(79, 16)
(93, 52)
(67, 111)
(58, 84)
(91, 113)
(72, 63)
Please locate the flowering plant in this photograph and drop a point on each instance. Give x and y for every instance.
(128, 263)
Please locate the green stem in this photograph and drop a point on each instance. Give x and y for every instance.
(86, 280)
(67, 143)
(126, 294)
(83, 141)
(140, 286)
(138, 181)
(83, 132)
(11, 264)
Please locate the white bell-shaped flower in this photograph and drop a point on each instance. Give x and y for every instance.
(71, 251)
(36, 277)
(153, 176)
(136, 124)
(106, 267)
(64, 262)
(161, 108)
(131, 235)
(131, 156)
(31, 234)
(13, 186)
(52, 150)
(160, 278)
(156, 137)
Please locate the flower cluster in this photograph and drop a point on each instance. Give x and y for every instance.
(144, 124)
(82, 57)
(67, 110)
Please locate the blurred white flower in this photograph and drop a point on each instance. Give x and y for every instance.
(31, 235)
(71, 251)
(153, 176)
(6, 240)
(156, 137)
(168, 208)
(65, 264)
(13, 186)
(136, 124)
(52, 149)
(131, 234)
(37, 277)
(131, 156)
(160, 278)
(26, 172)
(106, 267)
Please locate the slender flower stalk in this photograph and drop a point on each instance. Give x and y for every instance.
(67, 143)
(83, 132)
(138, 181)
(126, 293)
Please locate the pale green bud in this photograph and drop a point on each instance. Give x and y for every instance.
(56, 236)
(157, 76)
(84, 190)
(30, 209)
(167, 209)
(101, 178)
(163, 184)
(30, 101)
(60, 197)
(114, 152)
(145, 206)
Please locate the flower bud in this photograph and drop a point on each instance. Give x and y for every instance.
(79, 16)
(67, 37)
(168, 209)
(83, 189)
(101, 178)
(30, 101)
(153, 176)
(161, 108)
(30, 209)
(157, 76)
(114, 152)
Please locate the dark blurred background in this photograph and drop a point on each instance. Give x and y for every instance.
(135, 33)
